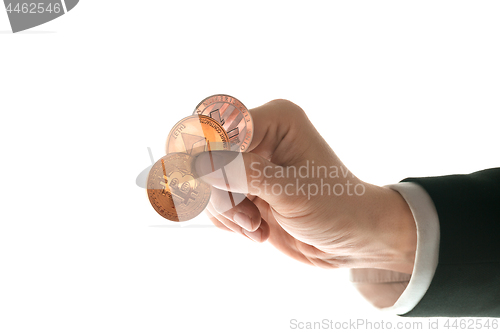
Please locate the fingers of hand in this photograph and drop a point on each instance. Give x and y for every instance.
(227, 223)
(216, 221)
(260, 234)
(236, 207)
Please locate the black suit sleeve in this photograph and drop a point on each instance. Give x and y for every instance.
(467, 279)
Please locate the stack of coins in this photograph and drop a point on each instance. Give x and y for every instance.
(219, 122)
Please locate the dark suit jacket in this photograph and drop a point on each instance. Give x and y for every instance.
(467, 278)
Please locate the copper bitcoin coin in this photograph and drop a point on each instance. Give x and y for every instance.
(195, 134)
(233, 116)
(173, 189)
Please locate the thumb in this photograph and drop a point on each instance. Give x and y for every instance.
(247, 173)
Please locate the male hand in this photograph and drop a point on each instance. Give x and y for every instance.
(352, 224)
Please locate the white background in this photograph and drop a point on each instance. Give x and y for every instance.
(398, 89)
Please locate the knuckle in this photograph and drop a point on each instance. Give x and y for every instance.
(290, 112)
(287, 106)
(281, 101)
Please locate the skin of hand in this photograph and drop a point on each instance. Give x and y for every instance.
(356, 225)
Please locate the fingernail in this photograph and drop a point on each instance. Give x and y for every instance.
(243, 220)
(255, 236)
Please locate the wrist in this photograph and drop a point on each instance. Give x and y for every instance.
(392, 231)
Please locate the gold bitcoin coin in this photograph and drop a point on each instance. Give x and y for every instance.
(173, 189)
(195, 134)
(233, 116)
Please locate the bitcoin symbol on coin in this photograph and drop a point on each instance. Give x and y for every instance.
(173, 190)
